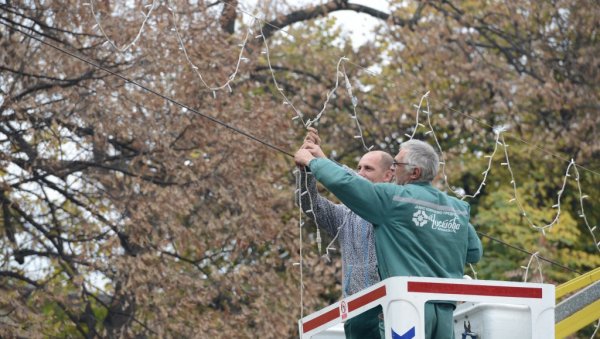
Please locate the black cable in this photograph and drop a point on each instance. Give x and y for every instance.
(525, 251)
(215, 120)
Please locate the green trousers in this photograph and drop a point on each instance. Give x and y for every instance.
(439, 321)
(364, 326)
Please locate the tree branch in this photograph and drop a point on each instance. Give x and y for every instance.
(318, 11)
(228, 16)
(19, 277)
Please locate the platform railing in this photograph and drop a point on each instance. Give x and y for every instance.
(403, 302)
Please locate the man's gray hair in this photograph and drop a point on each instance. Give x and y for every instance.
(421, 154)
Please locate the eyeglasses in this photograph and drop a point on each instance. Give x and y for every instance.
(395, 163)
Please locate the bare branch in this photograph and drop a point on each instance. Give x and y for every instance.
(318, 11)
(228, 16)
(21, 277)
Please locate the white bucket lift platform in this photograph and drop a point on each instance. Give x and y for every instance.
(403, 301)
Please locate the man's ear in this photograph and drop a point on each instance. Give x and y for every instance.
(389, 176)
(416, 173)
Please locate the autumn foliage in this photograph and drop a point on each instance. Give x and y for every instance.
(126, 213)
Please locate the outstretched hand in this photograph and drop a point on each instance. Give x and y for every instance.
(307, 152)
(303, 157)
(312, 136)
(314, 149)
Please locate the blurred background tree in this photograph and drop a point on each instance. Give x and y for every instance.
(124, 214)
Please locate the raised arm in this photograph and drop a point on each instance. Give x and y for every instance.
(326, 214)
(360, 195)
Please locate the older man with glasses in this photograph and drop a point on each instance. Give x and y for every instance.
(419, 230)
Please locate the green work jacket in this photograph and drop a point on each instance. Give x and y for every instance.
(419, 230)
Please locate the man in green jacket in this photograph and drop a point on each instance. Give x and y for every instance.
(419, 230)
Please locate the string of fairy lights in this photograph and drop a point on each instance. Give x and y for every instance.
(341, 72)
(539, 267)
(500, 141)
(298, 177)
(340, 69)
(422, 108)
(280, 90)
(98, 25)
(195, 68)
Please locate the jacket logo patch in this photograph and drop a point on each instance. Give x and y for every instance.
(442, 221)
(420, 218)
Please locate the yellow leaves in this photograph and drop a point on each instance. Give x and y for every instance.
(195, 154)
(565, 231)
